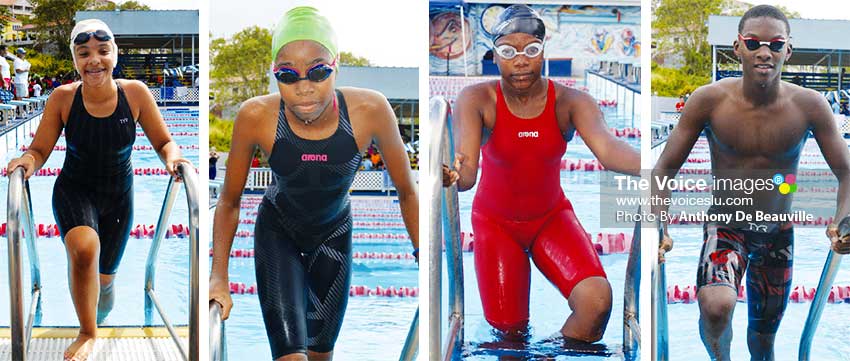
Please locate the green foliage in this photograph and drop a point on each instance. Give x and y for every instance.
(349, 59)
(55, 20)
(791, 14)
(683, 27)
(669, 82)
(127, 5)
(5, 13)
(220, 133)
(239, 65)
(47, 65)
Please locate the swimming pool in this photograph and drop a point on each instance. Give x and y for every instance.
(583, 189)
(548, 308)
(374, 327)
(172, 268)
(810, 250)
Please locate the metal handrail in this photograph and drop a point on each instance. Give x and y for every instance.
(660, 349)
(188, 174)
(218, 344)
(631, 294)
(411, 345)
(18, 211)
(444, 212)
(830, 269)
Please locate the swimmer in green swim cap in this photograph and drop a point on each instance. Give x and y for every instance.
(313, 135)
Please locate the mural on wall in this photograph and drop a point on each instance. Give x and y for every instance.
(450, 36)
(585, 34)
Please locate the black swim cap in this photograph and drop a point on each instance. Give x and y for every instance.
(518, 19)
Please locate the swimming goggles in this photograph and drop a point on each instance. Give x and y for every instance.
(315, 74)
(752, 43)
(100, 35)
(508, 52)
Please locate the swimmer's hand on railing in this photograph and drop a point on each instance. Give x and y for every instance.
(451, 176)
(220, 292)
(665, 243)
(839, 243)
(171, 167)
(26, 161)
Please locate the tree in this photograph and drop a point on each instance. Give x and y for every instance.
(55, 20)
(239, 65)
(127, 5)
(349, 59)
(682, 26)
(4, 13)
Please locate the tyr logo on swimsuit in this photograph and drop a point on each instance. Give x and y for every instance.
(314, 157)
(527, 134)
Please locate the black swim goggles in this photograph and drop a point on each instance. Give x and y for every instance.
(508, 52)
(752, 43)
(100, 35)
(315, 74)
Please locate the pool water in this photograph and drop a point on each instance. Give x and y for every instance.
(172, 272)
(548, 308)
(374, 328)
(810, 250)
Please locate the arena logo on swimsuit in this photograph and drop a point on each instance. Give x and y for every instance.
(528, 134)
(314, 157)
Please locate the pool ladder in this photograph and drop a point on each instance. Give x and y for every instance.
(660, 349)
(218, 341)
(20, 221)
(830, 269)
(445, 225)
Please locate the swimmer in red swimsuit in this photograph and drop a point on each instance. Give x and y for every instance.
(521, 125)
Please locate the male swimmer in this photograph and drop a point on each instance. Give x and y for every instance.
(756, 126)
(520, 124)
(93, 196)
(313, 136)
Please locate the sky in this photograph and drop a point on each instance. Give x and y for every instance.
(813, 9)
(383, 31)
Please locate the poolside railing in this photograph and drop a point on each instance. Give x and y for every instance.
(187, 173)
(660, 349)
(445, 225)
(20, 222)
(218, 345)
(411, 344)
(631, 295)
(830, 269)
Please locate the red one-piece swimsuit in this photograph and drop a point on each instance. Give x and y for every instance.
(520, 210)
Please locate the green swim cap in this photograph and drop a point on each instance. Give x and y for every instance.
(303, 23)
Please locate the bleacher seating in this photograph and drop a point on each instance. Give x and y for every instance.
(148, 68)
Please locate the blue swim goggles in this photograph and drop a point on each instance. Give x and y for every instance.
(100, 35)
(315, 74)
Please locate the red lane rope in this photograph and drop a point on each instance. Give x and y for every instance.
(799, 294)
(240, 288)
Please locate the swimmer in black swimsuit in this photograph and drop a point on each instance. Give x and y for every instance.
(313, 137)
(93, 196)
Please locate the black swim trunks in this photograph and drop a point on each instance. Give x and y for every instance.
(764, 253)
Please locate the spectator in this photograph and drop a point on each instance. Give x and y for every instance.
(36, 89)
(4, 68)
(680, 104)
(213, 160)
(22, 73)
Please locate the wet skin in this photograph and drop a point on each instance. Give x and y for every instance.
(756, 125)
(525, 92)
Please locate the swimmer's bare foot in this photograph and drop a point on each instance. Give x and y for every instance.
(80, 349)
